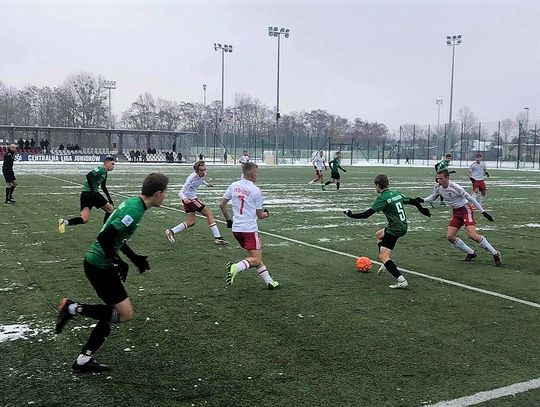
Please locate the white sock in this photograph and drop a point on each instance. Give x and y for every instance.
(481, 200)
(82, 359)
(73, 308)
(179, 228)
(460, 244)
(401, 279)
(487, 246)
(242, 265)
(265, 275)
(215, 230)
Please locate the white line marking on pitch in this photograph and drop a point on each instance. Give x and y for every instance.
(490, 394)
(416, 273)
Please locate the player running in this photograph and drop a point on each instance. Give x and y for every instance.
(247, 204)
(318, 163)
(192, 205)
(477, 170)
(462, 215)
(91, 197)
(441, 165)
(390, 203)
(335, 166)
(9, 174)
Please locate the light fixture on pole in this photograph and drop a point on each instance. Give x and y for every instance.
(224, 48)
(439, 103)
(109, 85)
(278, 32)
(527, 122)
(452, 41)
(204, 118)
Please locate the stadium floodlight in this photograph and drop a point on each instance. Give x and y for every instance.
(109, 85)
(452, 41)
(278, 32)
(439, 103)
(223, 48)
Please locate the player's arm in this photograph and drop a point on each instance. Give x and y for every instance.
(434, 195)
(225, 211)
(106, 191)
(416, 202)
(362, 215)
(90, 178)
(262, 213)
(141, 262)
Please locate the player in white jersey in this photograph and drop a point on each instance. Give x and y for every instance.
(192, 205)
(247, 204)
(318, 163)
(477, 170)
(244, 158)
(462, 215)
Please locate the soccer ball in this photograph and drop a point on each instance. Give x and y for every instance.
(363, 264)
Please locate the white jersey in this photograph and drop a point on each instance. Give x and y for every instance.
(318, 162)
(454, 196)
(477, 170)
(193, 182)
(245, 198)
(243, 159)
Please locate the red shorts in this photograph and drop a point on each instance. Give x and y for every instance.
(479, 185)
(194, 206)
(462, 216)
(248, 240)
(318, 173)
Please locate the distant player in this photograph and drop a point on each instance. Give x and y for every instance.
(335, 166)
(247, 204)
(318, 163)
(462, 215)
(192, 205)
(107, 272)
(441, 165)
(244, 158)
(390, 203)
(9, 173)
(91, 197)
(477, 170)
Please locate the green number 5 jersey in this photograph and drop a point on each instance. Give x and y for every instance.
(391, 204)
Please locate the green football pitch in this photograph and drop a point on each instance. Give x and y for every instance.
(330, 336)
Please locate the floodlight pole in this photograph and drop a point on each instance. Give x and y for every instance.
(439, 103)
(109, 85)
(527, 122)
(204, 119)
(224, 48)
(452, 41)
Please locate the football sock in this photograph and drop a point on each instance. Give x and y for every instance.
(265, 275)
(487, 246)
(179, 228)
(11, 191)
(392, 268)
(75, 221)
(215, 230)
(107, 214)
(461, 245)
(400, 279)
(99, 335)
(327, 182)
(242, 265)
(98, 311)
(337, 185)
(7, 193)
(481, 200)
(82, 359)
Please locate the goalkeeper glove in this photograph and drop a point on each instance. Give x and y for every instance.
(229, 223)
(424, 211)
(141, 262)
(488, 216)
(487, 174)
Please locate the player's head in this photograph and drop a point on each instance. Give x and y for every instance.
(12, 147)
(443, 177)
(478, 158)
(200, 168)
(448, 157)
(381, 182)
(155, 187)
(338, 153)
(244, 152)
(250, 171)
(108, 163)
(321, 153)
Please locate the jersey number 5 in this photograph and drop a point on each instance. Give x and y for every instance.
(401, 212)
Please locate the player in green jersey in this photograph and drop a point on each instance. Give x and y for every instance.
(90, 196)
(442, 165)
(391, 204)
(107, 272)
(335, 166)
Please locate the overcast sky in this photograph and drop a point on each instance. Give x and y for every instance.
(379, 60)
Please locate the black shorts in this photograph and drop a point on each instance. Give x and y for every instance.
(389, 240)
(334, 175)
(90, 199)
(9, 176)
(107, 283)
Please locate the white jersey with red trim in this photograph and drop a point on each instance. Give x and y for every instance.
(478, 170)
(245, 198)
(454, 195)
(193, 182)
(318, 162)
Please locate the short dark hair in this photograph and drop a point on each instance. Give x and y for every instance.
(248, 167)
(445, 172)
(478, 155)
(198, 164)
(109, 158)
(448, 155)
(382, 181)
(154, 182)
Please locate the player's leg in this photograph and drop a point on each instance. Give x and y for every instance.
(484, 243)
(386, 243)
(12, 186)
(451, 236)
(8, 190)
(218, 239)
(271, 284)
(108, 209)
(172, 232)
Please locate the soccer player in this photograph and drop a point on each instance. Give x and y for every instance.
(335, 166)
(318, 163)
(441, 165)
(247, 204)
(477, 170)
(91, 197)
(391, 204)
(462, 215)
(107, 272)
(192, 205)
(244, 158)
(9, 174)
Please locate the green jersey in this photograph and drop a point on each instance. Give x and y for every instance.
(100, 175)
(335, 164)
(391, 204)
(441, 165)
(125, 219)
